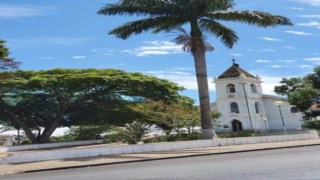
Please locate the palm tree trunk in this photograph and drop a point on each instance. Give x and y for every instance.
(203, 90)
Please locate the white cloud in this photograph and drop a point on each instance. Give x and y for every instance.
(237, 55)
(289, 47)
(262, 61)
(277, 66)
(103, 51)
(310, 16)
(295, 8)
(155, 48)
(269, 82)
(314, 59)
(166, 72)
(18, 11)
(79, 57)
(65, 41)
(299, 33)
(261, 50)
(287, 60)
(186, 80)
(266, 50)
(94, 50)
(271, 39)
(310, 24)
(304, 66)
(108, 52)
(183, 69)
(309, 2)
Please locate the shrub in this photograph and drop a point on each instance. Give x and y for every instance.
(112, 138)
(311, 124)
(238, 134)
(64, 138)
(175, 137)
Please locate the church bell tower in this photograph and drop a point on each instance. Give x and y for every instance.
(239, 100)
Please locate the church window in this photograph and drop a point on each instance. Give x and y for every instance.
(234, 107)
(253, 88)
(294, 109)
(257, 107)
(231, 88)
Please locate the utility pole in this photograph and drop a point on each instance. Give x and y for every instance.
(246, 98)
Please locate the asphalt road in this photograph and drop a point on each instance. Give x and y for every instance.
(291, 163)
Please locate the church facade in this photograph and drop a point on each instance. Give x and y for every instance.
(243, 105)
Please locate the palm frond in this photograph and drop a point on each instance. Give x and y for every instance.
(139, 26)
(226, 35)
(141, 7)
(258, 18)
(170, 25)
(185, 40)
(165, 7)
(217, 5)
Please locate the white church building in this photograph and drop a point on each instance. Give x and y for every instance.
(243, 105)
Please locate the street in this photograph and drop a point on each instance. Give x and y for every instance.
(290, 163)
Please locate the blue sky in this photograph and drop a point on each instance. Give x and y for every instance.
(50, 34)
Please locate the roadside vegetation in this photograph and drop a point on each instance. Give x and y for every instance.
(119, 106)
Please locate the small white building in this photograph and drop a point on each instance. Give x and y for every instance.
(243, 105)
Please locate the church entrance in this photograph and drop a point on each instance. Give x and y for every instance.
(236, 125)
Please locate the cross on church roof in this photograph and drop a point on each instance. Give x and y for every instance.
(233, 61)
(235, 71)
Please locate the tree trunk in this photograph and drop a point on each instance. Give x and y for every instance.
(203, 88)
(25, 128)
(198, 50)
(18, 132)
(44, 138)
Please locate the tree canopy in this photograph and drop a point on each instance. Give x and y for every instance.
(302, 92)
(48, 99)
(169, 115)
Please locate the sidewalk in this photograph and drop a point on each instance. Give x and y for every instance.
(127, 158)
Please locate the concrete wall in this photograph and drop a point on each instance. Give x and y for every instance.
(291, 120)
(127, 149)
(6, 140)
(48, 145)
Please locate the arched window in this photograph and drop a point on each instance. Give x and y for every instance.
(257, 107)
(234, 107)
(231, 88)
(253, 88)
(294, 109)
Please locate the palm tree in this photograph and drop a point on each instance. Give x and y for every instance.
(200, 15)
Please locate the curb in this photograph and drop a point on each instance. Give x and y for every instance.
(155, 159)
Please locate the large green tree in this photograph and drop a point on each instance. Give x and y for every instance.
(45, 100)
(303, 91)
(200, 15)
